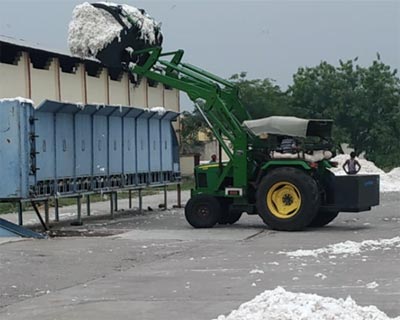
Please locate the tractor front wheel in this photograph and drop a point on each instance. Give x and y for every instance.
(203, 211)
(228, 216)
(288, 199)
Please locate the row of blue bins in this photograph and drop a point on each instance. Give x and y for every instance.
(63, 149)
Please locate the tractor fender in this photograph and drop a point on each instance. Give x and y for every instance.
(271, 165)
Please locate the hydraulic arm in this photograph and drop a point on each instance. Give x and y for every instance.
(215, 98)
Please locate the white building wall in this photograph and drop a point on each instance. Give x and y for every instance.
(171, 100)
(187, 165)
(72, 86)
(138, 94)
(96, 88)
(44, 83)
(12, 80)
(155, 96)
(119, 92)
(40, 84)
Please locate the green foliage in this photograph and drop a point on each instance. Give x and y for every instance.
(363, 102)
(192, 123)
(261, 97)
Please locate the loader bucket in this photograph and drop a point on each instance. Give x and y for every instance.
(115, 55)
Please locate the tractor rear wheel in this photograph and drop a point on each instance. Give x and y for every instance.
(203, 211)
(288, 199)
(323, 218)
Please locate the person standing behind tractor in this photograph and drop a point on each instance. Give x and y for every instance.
(213, 158)
(352, 166)
(289, 145)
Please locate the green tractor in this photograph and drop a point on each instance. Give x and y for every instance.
(288, 190)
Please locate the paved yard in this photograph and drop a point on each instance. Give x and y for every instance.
(155, 266)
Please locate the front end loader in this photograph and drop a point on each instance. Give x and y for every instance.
(289, 191)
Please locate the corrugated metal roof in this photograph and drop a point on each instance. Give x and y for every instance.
(29, 46)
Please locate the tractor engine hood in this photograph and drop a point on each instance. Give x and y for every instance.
(290, 126)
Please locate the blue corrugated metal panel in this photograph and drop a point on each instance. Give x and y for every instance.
(142, 138)
(129, 145)
(171, 146)
(115, 145)
(74, 145)
(100, 145)
(14, 148)
(45, 146)
(166, 148)
(83, 145)
(155, 152)
(64, 145)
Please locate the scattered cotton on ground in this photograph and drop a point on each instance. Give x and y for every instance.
(256, 271)
(92, 29)
(347, 247)
(389, 182)
(279, 304)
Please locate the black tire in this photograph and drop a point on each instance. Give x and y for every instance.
(323, 218)
(227, 216)
(232, 218)
(302, 188)
(202, 211)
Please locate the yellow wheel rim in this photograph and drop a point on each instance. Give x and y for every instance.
(283, 200)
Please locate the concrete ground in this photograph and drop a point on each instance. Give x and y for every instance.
(155, 266)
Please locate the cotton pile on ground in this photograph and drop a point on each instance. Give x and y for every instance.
(91, 29)
(279, 304)
(348, 247)
(390, 182)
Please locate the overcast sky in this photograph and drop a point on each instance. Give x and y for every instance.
(268, 39)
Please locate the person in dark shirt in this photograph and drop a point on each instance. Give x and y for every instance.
(289, 145)
(352, 166)
(213, 158)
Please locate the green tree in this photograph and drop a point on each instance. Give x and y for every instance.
(261, 97)
(192, 123)
(363, 102)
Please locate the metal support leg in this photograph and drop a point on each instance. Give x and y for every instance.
(46, 212)
(116, 201)
(39, 216)
(111, 206)
(140, 201)
(165, 198)
(179, 196)
(56, 210)
(20, 211)
(130, 199)
(78, 221)
(88, 205)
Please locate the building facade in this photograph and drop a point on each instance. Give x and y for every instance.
(38, 74)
